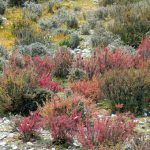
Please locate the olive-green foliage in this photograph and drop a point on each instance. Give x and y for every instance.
(76, 74)
(72, 22)
(32, 11)
(20, 93)
(73, 41)
(2, 7)
(128, 87)
(26, 34)
(133, 24)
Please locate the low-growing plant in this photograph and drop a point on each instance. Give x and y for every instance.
(32, 11)
(50, 6)
(48, 24)
(34, 49)
(89, 88)
(2, 7)
(85, 29)
(24, 85)
(72, 22)
(29, 126)
(63, 60)
(76, 74)
(106, 131)
(25, 33)
(128, 87)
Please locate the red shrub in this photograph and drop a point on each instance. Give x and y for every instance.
(144, 48)
(63, 127)
(105, 131)
(45, 81)
(43, 65)
(117, 59)
(87, 64)
(88, 88)
(31, 124)
(63, 60)
(105, 59)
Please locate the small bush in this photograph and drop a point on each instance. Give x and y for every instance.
(34, 49)
(50, 6)
(16, 2)
(85, 29)
(72, 22)
(128, 87)
(102, 38)
(20, 86)
(25, 33)
(106, 2)
(144, 49)
(106, 131)
(63, 61)
(90, 89)
(32, 11)
(30, 125)
(2, 7)
(1, 20)
(74, 41)
(76, 74)
(48, 24)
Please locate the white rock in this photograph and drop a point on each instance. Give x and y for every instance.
(14, 147)
(3, 143)
(29, 143)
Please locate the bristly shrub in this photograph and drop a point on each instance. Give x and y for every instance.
(64, 114)
(50, 6)
(64, 127)
(101, 38)
(2, 7)
(16, 2)
(32, 11)
(128, 87)
(48, 24)
(76, 74)
(88, 88)
(117, 59)
(85, 29)
(72, 22)
(20, 85)
(106, 131)
(144, 49)
(26, 34)
(87, 64)
(34, 49)
(30, 125)
(74, 41)
(63, 60)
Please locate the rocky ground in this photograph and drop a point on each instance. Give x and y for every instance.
(10, 139)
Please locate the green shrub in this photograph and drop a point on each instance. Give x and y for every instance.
(76, 74)
(128, 87)
(32, 11)
(101, 37)
(72, 22)
(2, 7)
(34, 49)
(85, 29)
(133, 24)
(26, 34)
(19, 88)
(73, 41)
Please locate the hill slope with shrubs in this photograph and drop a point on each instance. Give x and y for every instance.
(75, 74)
